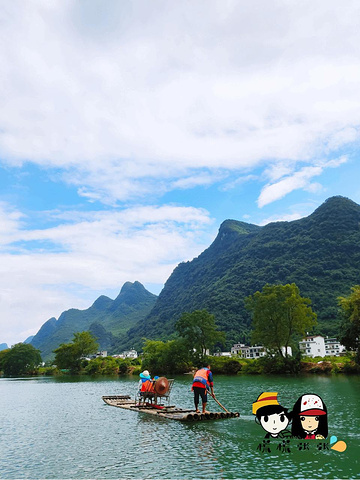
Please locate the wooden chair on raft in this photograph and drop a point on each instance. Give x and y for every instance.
(158, 391)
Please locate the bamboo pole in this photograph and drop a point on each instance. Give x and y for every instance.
(217, 401)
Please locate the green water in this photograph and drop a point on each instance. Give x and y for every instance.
(60, 428)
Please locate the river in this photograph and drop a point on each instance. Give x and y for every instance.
(59, 428)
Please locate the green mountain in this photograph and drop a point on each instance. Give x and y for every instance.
(320, 253)
(106, 319)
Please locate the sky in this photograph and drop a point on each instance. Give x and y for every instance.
(129, 131)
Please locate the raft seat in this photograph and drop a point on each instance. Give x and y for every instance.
(164, 397)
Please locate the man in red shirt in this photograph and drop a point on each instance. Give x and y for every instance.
(203, 381)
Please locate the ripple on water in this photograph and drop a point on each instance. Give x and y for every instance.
(62, 429)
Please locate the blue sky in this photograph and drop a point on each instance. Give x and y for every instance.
(131, 130)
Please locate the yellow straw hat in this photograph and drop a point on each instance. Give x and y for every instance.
(265, 399)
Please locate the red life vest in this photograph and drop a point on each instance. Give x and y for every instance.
(202, 376)
(147, 386)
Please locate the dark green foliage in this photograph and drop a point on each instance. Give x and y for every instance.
(280, 317)
(105, 339)
(199, 333)
(70, 355)
(20, 359)
(350, 328)
(272, 365)
(161, 358)
(107, 366)
(279, 365)
(225, 365)
(107, 319)
(320, 253)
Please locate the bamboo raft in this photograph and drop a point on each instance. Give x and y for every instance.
(164, 411)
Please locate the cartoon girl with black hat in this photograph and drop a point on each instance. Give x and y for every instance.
(309, 418)
(271, 415)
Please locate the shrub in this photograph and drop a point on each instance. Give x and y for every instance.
(225, 365)
(102, 366)
(252, 367)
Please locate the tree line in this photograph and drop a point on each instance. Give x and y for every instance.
(280, 318)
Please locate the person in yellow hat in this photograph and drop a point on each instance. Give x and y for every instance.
(271, 415)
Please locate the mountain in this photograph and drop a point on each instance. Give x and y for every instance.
(106, 319)
(28, 340)
(3, 346)
(320, 253)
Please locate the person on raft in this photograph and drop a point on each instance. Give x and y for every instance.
(146, 384)
(203, 381)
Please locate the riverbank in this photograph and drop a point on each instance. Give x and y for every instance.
(220, 366)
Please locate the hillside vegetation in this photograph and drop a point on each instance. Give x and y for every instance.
(320, 253)
(105, 319)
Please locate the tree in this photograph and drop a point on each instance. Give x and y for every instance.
(350, 327)
(70, 355)
(20, 359)
(200, 333)
(171, 356)
(279, 315)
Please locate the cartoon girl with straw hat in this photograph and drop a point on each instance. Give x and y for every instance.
(271, 415)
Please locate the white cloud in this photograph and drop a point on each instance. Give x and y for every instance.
(44, 272)
(129, 100)
(299, 179)
(239, 181)
(127, 96)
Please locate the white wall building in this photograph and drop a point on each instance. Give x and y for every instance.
(256, 351)
(313, 346)
(333, 347)
(247, 351)
(127, 354)
(236, 349)
(318, 346)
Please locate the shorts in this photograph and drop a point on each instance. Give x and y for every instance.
(200, 392)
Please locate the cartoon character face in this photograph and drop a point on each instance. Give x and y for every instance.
(309, 423)
(274, 423)
(309, 416)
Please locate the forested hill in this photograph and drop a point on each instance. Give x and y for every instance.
(106, 319)
(320, 253)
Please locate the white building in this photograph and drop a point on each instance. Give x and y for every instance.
(246, 351)
(255, 351)
(333, 347)
(222, 354)
(127, 354)
(237, 348)
(318, 346)
(102, 353)
(313, 346)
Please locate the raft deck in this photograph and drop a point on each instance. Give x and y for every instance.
(172, 412)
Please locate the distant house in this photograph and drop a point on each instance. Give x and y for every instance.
(254, 351)
(222, 354)
(102, 353)
(333, 347)
(313, 346)
(318, 346)
(237, 348)
(246, 351)
(127, 354)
